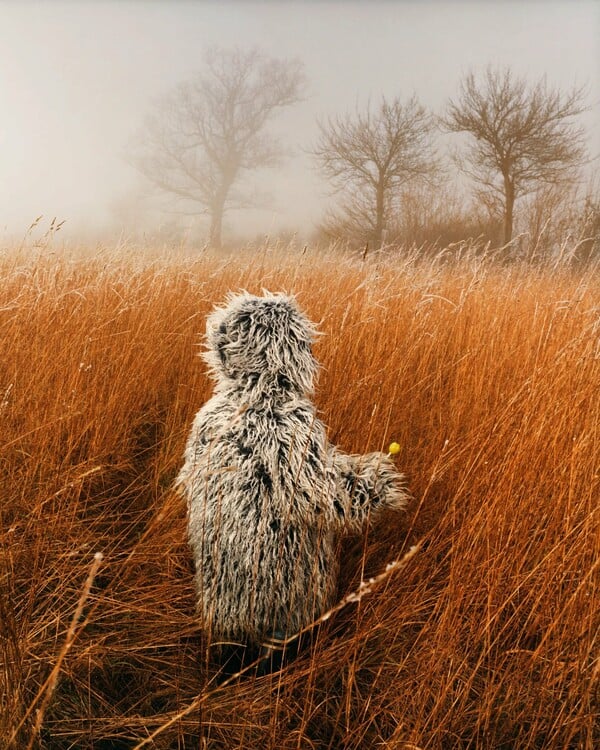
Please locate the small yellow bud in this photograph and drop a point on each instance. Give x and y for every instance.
(394, 449)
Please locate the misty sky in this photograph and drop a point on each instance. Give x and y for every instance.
(77, 78)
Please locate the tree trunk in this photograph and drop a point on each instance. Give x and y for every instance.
(379, 217)
(216, 217)
(509, 202)
(218, 207)
(216, 226)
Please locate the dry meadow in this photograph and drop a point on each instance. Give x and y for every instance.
(487, 375)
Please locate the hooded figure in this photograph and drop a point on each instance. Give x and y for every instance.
(268, 497)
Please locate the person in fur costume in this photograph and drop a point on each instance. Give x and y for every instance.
(268, 497)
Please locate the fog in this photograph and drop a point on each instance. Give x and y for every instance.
(77, 79)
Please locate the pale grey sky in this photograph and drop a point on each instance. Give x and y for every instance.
(76, 79)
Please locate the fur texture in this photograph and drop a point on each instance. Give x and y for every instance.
(267, 495)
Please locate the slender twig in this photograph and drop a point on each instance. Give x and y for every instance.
(47, 689)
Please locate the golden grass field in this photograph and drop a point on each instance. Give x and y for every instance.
(488, 377)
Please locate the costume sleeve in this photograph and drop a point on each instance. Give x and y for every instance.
(364, 485)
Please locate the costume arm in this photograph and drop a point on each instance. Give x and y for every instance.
(211, 420)
(365, 484)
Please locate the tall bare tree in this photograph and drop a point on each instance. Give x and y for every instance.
(522, 136)
(370, 155)
(210, 131)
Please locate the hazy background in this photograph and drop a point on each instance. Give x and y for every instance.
(77, 78)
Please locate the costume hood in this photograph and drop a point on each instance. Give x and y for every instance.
(261, 343)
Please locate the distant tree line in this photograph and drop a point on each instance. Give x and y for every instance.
(209, 132)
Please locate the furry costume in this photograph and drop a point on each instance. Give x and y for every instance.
(267, 495)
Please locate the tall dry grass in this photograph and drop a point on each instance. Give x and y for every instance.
(488, 377)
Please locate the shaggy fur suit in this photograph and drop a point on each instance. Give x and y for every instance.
(268, 497)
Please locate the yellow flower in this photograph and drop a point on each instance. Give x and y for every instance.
(394, 449)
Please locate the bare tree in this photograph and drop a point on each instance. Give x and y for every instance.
(522, 137)
(370, 155)
(210, 131)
